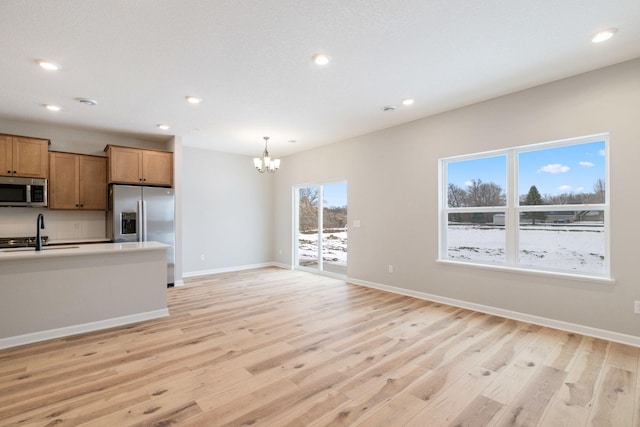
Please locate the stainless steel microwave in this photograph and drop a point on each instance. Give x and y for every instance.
(16, 191)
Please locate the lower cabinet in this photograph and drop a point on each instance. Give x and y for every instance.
(77, 181)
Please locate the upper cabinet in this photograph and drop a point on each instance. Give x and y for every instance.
(22, 156)
(77, 181)
(136, 166)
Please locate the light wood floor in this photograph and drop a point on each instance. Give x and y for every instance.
(281, 348)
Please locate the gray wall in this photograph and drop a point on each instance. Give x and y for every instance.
(227, 212)
(236, 217)
(393, 190)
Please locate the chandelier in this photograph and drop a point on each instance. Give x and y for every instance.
(266, 163)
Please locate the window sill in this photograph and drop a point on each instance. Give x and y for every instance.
(551, 274)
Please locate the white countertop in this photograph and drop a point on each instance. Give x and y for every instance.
(79, 250)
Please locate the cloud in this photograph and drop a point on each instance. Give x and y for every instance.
(578, 190)
(602, 153)
(587, 164)
(468, 183)
(554, 168)
(565, 188)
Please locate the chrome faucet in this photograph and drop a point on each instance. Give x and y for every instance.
(39, 226)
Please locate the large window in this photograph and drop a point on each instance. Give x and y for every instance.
(541, 207)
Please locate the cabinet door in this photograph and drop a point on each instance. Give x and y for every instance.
(157, 167)
(93, 182)
(30, 157)
(6, 153)
(125, 165)
(63, 184)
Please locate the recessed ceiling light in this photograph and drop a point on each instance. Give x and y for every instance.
(163, 127)
(321, 58)
(407, 101)
(52, 107)
(193, 100)
(48, 65)
(604, 35)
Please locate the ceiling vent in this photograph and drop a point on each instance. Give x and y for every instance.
(87, 101)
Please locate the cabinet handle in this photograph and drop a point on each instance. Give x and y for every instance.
(15, 172)
(76, 205)
(9, 172)
(82, 206)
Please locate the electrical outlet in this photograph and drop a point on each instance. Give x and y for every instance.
(636, 307)
(390, 268)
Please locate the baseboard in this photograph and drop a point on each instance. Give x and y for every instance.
(227, 269)
(514, 315)
(82, 328)
(281, 265)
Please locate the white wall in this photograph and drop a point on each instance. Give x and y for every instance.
(81, 141)
(175, 145)
(393, 190)
(227, 212)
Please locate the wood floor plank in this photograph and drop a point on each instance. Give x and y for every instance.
(615, 399)
(530, 405)
(378, 391)
(636, 414)
(455, 398)
(230, 413)
(478, 413)
(398, 411)
(573, 402)
(308, 410)
(276, 347)
(514, 377)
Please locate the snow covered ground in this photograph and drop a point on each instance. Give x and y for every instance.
(578, 248)
(334, 252)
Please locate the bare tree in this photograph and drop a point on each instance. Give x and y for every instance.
(456, 196)
(308, 214)
(599, 190)
(485, 194)
(557, 199)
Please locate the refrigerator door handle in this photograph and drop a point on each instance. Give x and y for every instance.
(141, 221)
(144, 220)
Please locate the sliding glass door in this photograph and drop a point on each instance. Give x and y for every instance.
(321, 228)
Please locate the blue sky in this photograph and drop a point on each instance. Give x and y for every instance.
(569, 169)
(335, 195)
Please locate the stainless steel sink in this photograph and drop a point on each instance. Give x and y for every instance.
(47, 248)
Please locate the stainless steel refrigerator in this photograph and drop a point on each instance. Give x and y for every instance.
(141, 214)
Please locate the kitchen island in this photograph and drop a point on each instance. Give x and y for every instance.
(65, 290)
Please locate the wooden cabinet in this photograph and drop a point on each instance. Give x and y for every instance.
(136, 166)
(77, 181)
(23, 156)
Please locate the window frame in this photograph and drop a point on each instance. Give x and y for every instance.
(296, 229)
(512, 210)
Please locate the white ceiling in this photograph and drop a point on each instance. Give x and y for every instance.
(250, 62)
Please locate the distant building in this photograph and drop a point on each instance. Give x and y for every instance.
(559, 217)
